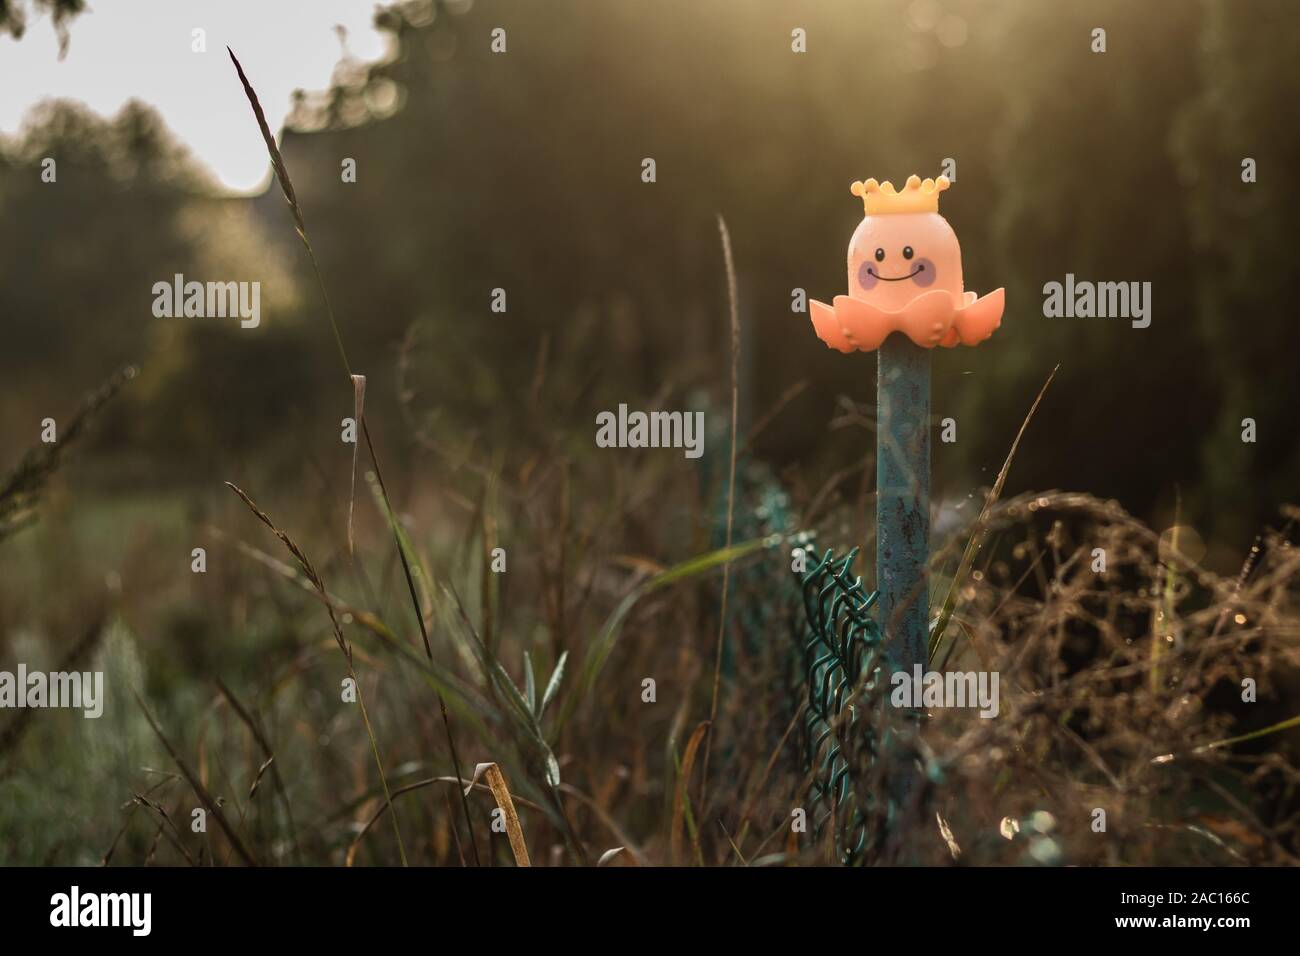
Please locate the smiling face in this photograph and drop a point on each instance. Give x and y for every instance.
(895, 257)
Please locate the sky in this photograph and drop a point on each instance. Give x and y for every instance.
(142, 49)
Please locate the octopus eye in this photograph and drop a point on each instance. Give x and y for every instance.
(907, 252)
(880, 255)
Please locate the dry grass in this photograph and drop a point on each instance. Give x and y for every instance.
(344, 648)
(20, 494)
(1081, 727)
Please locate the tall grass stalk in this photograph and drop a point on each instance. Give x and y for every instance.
(734, 315)
(980, 530)
(286, 185)
(316, 581)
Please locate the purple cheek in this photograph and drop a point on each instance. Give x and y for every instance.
(925, 274)
(866, 278)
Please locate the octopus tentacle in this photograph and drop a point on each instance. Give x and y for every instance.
(827, 327)
(927, 319)
(978, 319)
(934, 318)
(862, 323)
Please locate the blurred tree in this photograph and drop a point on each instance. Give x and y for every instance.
(82, 252)
(521, 170)
(1243, 262)
(13, 17)
(126, 209)
(1085, 186)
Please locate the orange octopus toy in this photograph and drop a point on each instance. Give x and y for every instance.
(905, 275)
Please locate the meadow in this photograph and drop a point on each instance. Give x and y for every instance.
(477, 634)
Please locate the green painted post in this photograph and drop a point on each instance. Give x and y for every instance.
(903, 499)
(903, 518)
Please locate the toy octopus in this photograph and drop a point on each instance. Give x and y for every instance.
(905, 275)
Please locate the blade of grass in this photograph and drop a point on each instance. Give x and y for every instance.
(497, 783)
(600, 648)
(408, 788)
(256, 730)
(613, 852)
(1253, 735)
(600, 813)
(683, 817)
(731, 489)
(767, 771)
(309, 570)
(976, 540)
(530, 683)
(734, 849)
(197, 786)
(498, 678)
(358, 415)
(553, 685)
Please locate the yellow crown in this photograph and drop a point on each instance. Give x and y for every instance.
(917, 196)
